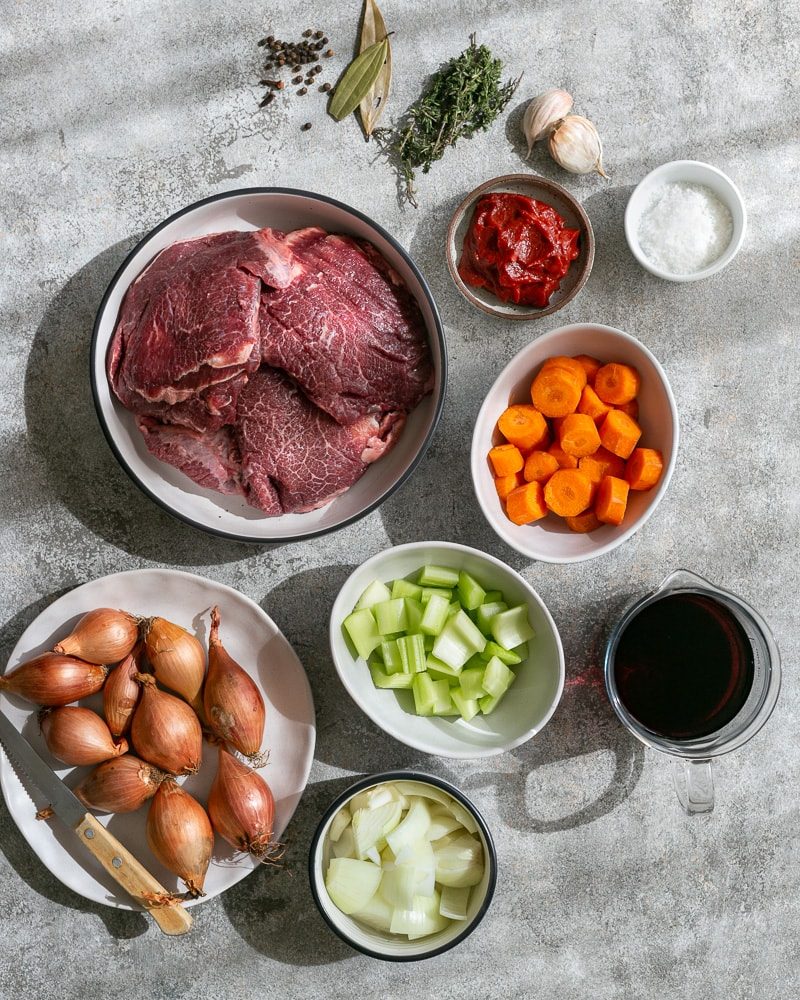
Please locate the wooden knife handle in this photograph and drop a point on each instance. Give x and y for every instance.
(134, 878)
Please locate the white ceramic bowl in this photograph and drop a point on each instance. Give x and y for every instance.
(550, 540)
(540, 678)
(686, 172)
(393, 947)
(230, 516)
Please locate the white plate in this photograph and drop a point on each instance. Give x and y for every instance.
(252, 639)
(230, 516)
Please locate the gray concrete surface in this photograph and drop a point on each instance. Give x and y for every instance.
(116, 114)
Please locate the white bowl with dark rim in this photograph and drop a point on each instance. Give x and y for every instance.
(394, 947)
(550, 540)
(540, 189)
(230, 516)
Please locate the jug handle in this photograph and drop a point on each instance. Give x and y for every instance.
(694, 784)
(684, 578)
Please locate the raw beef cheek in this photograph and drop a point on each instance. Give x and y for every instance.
(288, 444)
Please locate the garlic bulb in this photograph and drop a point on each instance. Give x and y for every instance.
(575, 145)
(544, 113)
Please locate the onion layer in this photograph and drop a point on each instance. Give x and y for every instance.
(53, 679)
(241, 806)
(79, 736)
(177, 658)
(165, 731)
(179, 834)
(121, 693)
(120, 785)
(101, 636)
(234, 708)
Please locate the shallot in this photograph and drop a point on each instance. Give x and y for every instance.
(53, 679)
(241, 807)
(165, 731)
(120, 785)
(234, 708)
(177, 658)
(180, 835)
(79, 736)
(121, 693)
(101, 636)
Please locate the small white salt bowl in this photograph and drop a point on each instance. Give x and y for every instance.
(686, 172)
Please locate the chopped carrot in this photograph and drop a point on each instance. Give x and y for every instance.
(523, 426)
(556, 392)
(616, 383)
(569, 365)
(505, 484)
(611, 501)
(644, 468)
(601, 464)
(578, 435)
(506, 459)
(568, 492)
(540, 466)
(619, 433)
(590, 365)
(564, 460)
(587, 521)
(592, 405)
(526, 504)
(631, 408)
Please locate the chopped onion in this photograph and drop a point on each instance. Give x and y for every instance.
(442, 823)
(351, 884)
(372, 825)
(420, 919)
(345, 846)
(454, 901)
(404, 837)
(376, 796)
(373, 856)
(377, 913)
(459, 862)
(399, 886)
(340, 823)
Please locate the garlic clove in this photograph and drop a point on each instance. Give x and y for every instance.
(575, 145)
(544, 113)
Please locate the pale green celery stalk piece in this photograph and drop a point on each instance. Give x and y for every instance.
(485, 614)
(429, 592)
(454, 608)
(497, 677)
(363, 632)
(467, 628)
(458, 641)
(493, 596)
(404, 588)
(437, 576)
(434, 617)
(428, 642)
(390, 616)
(390, 653)
(397, 682)
(468, 708)
(440, 668)
(413, 615)
(424, 694)
(471, 682)
(470, 591)
(509, 656)
(511, 628)
(412, 653)
(454, 901)
(374, 594)
(489, 703)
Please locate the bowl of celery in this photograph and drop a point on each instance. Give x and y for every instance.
(429, 638)
(402, 866)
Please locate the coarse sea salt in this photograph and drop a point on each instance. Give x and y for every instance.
(684, 228)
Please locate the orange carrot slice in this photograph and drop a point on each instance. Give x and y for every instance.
(505, 484)
(590, 365)
(578, 435)
(587, 521)
(540, 466)
(526, 504)
(523, 426)
(568, 492)
(556, 392)
(567, 364)
(631, 408)
(611, 501)
(601, 464)
(616, 384)
(506, 459)
(644, 468)
(564, 460)
(619, 433)
(592, 405)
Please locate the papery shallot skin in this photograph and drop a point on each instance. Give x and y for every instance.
(179, 833)
(54, 679)
(242, 807)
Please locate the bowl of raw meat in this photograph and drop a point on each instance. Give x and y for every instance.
(268, 365)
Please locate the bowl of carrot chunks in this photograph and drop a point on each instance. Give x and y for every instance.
(575, 444)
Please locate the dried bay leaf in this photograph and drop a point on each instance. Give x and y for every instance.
(374, 28)
(358, 79)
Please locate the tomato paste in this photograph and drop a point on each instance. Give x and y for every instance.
(518, 248)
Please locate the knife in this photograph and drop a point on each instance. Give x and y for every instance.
(120, 864)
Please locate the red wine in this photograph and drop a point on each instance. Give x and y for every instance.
(684, 666)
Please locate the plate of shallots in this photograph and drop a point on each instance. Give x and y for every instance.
(178, 713)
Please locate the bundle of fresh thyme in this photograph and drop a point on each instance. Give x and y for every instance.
(462, 98)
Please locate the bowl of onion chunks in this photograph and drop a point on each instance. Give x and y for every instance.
(402, 866)
(168, 733)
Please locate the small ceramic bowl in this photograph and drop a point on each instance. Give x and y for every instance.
(550, 540)
(542, 190)
(540, 677)
(686, 172)
(394, 947)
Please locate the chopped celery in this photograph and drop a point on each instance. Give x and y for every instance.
(374, 594)
(489, 703)
(497, 677)
(471, 682)
(506, 655)
(485, 614)
(372, 825)
(492, 596)
(429, 592)
(412, 653)
(468, 708)
(470, 591)
(404, 588)
(360, 626)
(413, 614)
(391, 656)
(454, 608)
(448, 707)
(459, 862)
(428, 642)
(454, 900)
(424, 693)
(351, 884)
(398, 681)
(390, 616)
(459, 640)
(434, 617)
(437, 576)
(511, 628)
(439, 669)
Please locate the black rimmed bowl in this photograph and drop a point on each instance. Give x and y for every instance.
(230, 516)
(393, 947)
